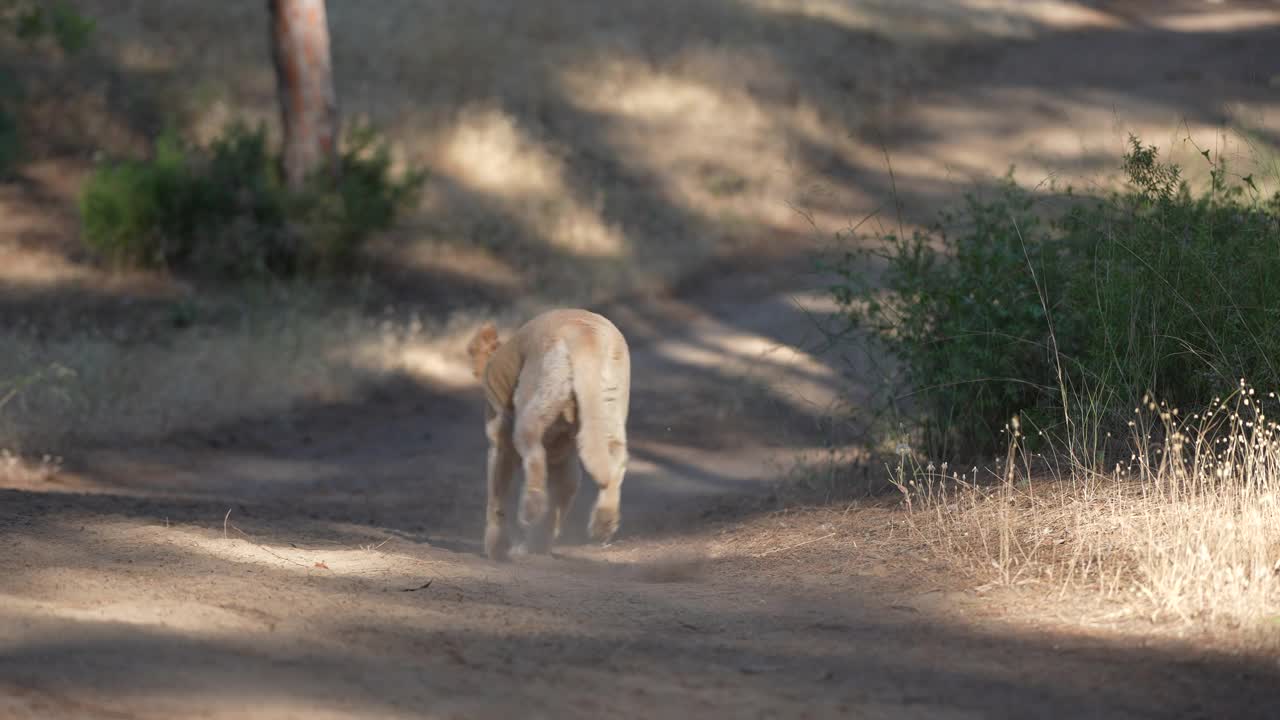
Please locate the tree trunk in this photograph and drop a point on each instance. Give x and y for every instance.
(304, 75)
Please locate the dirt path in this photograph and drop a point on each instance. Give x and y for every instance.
(346, 582)
(326, 565)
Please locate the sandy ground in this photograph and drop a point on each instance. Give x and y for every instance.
(326, 564)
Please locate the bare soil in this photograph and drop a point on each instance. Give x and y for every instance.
(328, 565)
(325, 563)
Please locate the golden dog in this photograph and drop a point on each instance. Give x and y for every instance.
(561, 383)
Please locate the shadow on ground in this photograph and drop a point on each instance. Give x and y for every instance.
(578, 637)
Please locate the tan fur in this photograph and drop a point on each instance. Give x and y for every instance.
(560, 384)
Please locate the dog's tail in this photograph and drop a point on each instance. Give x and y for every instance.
(602, 388)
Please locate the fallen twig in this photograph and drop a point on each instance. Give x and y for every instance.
(792, 547)
(269, 551)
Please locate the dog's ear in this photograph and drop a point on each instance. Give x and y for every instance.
(482, 346)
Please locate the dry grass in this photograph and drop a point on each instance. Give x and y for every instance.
(1186, 529)
(102, 386)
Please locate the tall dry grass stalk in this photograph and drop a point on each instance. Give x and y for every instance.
(1186, 528)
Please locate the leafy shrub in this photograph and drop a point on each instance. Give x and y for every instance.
(224, 210)
(367, 198)
(1176, 293)
(32, 22)
(961, 315)
(995, 313)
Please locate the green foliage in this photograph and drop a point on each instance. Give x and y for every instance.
(366, 198)
(224, 210)
(961, 315)
(138, 211)
(1177, 292)
(995, 313)
(32, 22)
(59, 21)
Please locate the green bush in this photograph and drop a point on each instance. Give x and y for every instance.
(31, 22)
(1176, 293)
(958, 309)
(224, 210)
(336, 219)
(996, 313)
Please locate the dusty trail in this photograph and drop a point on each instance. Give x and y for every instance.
(346, 582)
(326, 565)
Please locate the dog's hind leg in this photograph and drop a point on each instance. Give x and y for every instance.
(501, 467)
(563, 473)
(602, 388)
(542, 392)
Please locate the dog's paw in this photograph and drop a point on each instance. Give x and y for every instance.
(604, 524)
(497, 545)
(533, 507)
